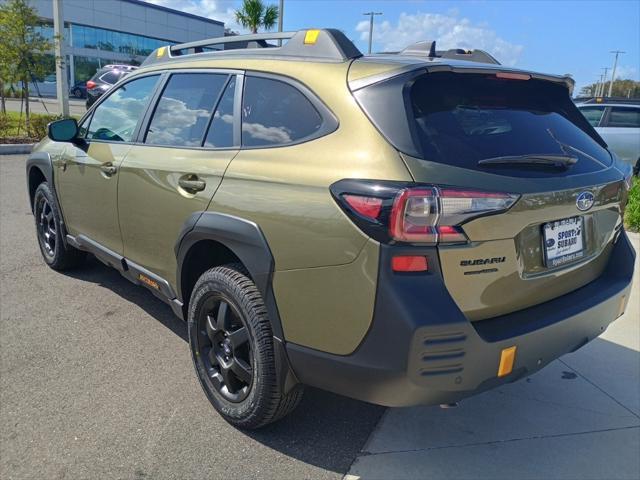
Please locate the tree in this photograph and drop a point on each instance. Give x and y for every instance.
(22, 56)
(254, 14)
(621, 88)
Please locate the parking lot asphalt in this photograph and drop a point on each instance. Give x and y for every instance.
(96, 382)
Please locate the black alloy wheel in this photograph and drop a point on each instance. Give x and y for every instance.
(225, 350)
(47, 230)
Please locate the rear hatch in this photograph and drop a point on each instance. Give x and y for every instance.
(505, 133)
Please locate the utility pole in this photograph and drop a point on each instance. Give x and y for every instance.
(371, 15)
(280, 19)
(62, 90)
(604, 81)
(613, 74)
(598, 86)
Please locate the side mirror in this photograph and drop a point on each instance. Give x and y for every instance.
(65, 130)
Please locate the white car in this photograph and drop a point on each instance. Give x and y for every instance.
(619, 125)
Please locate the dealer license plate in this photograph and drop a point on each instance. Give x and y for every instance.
(563, 241)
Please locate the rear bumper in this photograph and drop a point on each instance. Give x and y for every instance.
(422, 350)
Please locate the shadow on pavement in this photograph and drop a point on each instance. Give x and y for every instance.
(326, 430)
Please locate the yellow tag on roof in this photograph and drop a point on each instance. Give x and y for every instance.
(160, 52)
(311, 37)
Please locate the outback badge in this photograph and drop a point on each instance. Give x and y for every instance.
(585, 201)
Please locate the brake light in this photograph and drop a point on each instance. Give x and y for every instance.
(513, 76)
(391, 211)
(91, 85)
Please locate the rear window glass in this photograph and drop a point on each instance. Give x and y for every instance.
(111, 77)
(624, 117)
(463, 118)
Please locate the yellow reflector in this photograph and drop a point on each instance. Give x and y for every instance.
(160, 52)
(507, 359)
(311, 37)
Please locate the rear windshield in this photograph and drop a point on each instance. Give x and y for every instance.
(461, 119)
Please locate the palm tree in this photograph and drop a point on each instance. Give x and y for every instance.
(255, 14)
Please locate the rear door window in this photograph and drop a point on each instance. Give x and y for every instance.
(276, 113)
(592, 114)
(220, 134)
(182, 114)
(624, 117)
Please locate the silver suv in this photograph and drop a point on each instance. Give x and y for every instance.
(619, 125)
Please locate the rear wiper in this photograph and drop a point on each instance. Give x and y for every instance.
(543, 160)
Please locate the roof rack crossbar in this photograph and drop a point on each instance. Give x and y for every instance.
(256, 37)
(314, 44)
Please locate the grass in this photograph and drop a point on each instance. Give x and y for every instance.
(632, 213)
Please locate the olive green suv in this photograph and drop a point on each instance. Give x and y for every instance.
(402, 228)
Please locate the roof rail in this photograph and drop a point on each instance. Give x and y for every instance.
(428, 49)
(322, 45)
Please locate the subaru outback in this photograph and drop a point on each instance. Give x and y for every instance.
(402, 228)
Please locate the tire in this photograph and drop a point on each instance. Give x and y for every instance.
(77, 93)
(49, 232)
(232, 349)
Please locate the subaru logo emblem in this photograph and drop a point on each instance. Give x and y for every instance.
(585, 201)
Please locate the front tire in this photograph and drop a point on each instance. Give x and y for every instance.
(48, 228)
(232, 349)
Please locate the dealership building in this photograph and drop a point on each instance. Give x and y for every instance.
(101, 32)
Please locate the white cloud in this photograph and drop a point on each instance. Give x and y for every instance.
(449, 31)
(220, 10)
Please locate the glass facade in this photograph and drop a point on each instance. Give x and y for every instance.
(104, 41)
(112, 41)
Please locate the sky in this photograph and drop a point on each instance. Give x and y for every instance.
(552, 36)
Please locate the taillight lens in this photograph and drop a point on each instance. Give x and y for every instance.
(91, 85)
(422, 214)
(433, 215)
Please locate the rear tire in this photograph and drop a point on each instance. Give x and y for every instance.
(232, 349)
(49, 231)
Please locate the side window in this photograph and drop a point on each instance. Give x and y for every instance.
(115, 119)
(593, 114)
(624, 117)
(183, 111)
(220, 134)
(275, 113)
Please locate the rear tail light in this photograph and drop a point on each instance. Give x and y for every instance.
(427, 215)
(91, 85)
(433, 215)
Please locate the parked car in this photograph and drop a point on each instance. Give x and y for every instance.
(619, 125)
(403, 229)
(104, 79)
(79, 89)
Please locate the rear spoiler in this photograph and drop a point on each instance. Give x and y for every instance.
(457, 67)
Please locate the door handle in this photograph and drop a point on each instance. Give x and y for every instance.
(191, 183)
(109, 169)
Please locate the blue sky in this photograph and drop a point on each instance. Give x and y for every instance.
(555, 36)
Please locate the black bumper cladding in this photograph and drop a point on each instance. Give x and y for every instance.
(422, 350)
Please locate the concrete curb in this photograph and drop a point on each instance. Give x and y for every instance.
(15, 149)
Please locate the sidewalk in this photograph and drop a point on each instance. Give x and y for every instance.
(579, 418)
